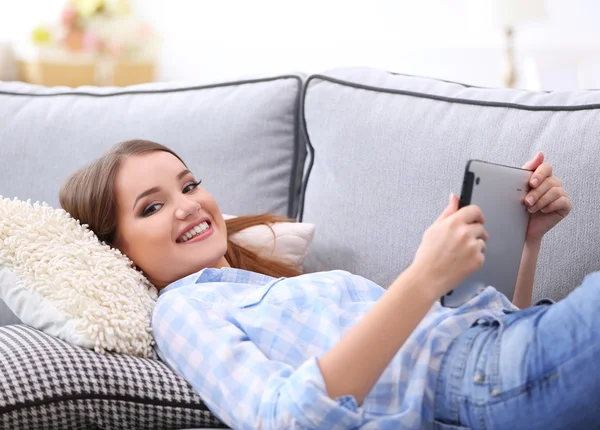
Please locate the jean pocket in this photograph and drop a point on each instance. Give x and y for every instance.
(440, 425)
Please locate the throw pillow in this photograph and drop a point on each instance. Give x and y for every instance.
(57, 276)
(286, 240)
(49, 384)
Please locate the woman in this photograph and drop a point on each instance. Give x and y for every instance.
(267, 349)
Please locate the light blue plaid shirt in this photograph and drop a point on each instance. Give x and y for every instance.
(249, 346)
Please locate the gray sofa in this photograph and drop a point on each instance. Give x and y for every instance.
(367, 155)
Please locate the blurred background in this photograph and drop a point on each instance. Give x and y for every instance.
(532, 44)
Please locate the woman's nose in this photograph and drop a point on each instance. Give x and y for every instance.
(186, 207)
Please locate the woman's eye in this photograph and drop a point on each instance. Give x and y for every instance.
(150, 209)
(191, 187)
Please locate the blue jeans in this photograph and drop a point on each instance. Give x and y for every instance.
(538, 368)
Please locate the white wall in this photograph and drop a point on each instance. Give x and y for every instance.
(213, 40)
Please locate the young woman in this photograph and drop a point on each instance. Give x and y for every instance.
(266, 347)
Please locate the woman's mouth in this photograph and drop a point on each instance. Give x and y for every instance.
(198, 233)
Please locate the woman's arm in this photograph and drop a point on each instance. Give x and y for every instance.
(356, 362)
(524, 287)
(548, 202)
(451, 249)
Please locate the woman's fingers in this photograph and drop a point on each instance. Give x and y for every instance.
(451, 208)
(533, 198)
(477, 231)
(543, 171)
(551, 195)
(483, 245)
(535, 162)
(470, 214)
(561, 206)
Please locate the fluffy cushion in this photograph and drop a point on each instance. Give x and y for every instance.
(49, 384)
(56, 276)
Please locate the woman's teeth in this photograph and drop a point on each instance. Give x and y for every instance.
(200, 228)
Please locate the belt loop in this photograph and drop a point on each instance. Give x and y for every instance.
(496, 385)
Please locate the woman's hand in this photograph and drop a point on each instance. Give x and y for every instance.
(547, 201)
(453, 247)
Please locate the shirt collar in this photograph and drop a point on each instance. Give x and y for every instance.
(224, 274)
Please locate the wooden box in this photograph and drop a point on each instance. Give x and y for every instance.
(74, 74)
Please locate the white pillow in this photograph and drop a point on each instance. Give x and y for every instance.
(57, 277)
(286, 240)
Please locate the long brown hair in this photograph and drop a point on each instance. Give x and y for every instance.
(89, 196)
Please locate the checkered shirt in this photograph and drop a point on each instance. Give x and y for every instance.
(249, 345)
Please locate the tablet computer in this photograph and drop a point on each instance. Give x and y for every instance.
(500, 192)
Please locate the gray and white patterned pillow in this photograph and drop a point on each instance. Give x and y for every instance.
(46, 383)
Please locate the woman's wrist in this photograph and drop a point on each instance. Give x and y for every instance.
(427, 285)
(525, 279)
(533, 243)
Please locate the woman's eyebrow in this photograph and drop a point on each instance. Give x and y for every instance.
(183, 173)
(157, 189)
(146, 193)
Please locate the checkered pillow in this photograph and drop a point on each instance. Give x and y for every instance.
(46, 383)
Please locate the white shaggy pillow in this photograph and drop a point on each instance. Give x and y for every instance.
(58, 277)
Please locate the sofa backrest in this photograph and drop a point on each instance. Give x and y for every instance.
(388, 149)
(240, 137)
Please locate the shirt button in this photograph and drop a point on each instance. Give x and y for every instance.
(495, 392)
(478, 378)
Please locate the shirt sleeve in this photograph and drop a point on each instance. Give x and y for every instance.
(238, 383)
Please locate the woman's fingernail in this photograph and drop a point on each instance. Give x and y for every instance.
(535, 182)
(529, 200)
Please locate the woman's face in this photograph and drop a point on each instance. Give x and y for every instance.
(166, 224)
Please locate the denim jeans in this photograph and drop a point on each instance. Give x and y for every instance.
(538, 368)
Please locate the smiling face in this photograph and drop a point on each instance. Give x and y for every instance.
(169, 226)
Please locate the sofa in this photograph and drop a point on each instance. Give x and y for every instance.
(367, 155)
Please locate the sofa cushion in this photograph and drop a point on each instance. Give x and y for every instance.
(387, 150)
(48, 384)
(240, 137)
(58, 277)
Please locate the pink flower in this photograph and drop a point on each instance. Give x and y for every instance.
(68, 16)
(91, 41)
